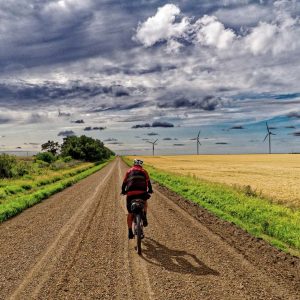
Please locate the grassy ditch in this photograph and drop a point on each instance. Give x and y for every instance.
(43, 189)
(10, 188)
(277, 224)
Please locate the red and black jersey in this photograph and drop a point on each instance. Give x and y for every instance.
(136, 181)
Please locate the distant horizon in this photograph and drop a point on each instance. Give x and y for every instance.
(32, 153)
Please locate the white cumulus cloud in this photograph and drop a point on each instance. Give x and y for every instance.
(211, 32)
(261, 39)
(266, 37)
(162, 26)
(274, 38)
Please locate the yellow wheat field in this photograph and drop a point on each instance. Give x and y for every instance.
(276, 176)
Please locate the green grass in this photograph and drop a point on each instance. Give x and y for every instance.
(12, 206)
(277, 224)
(27, 184)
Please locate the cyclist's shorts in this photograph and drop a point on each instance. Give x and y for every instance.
(129, 199)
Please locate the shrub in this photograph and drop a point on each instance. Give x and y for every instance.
(21, 168)
(7, 164)
(58, 165)
(46, 157)
(41, 164)
(67, 158)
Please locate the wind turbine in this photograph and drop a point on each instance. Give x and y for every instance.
(269, 135)
(198, 142)
(153, 144)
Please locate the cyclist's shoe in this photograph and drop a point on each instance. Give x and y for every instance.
(145, 221)
(130, 234)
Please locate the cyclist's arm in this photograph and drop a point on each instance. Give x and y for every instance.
(149, 185)
(124, 184)
(150, 190)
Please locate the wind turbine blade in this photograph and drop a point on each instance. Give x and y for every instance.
(155, 141)
(266, 137)
(198, 134)
(199, 143)
(267, 127)
(272, 133)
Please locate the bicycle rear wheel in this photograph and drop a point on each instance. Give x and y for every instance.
(138, 234)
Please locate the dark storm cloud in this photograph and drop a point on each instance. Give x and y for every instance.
(297, 133)
(110, 140)
(78, 121)
(162, 124)
(119, 107)
(66, 133)
(146, 125)
(290, 127)
(63, 31)
(152, 133)
(178, 144)
(167, 139)
(221, 143)
(89, 128)
(154, 124)
(22, 94)
(237, 127)
(209, 103)
(294, 114)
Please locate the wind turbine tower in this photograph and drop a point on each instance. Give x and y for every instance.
(269, 135)
(153, 144)
(198, 142)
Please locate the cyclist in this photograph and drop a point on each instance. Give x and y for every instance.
(136, 184)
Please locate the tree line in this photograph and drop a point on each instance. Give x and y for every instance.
(80, 148)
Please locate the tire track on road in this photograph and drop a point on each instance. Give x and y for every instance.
(44, 266)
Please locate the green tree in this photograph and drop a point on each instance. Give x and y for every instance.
(51, 146)
(85, 148)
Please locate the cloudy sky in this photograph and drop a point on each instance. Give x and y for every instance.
(128, 72)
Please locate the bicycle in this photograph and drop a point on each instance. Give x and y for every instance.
(137, 208)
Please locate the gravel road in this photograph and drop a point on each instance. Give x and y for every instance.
(74, 246)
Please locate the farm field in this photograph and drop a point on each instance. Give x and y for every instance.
(275, 176)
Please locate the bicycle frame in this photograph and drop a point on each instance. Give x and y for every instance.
(138, 211)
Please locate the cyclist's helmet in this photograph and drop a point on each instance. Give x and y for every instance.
(138, 162)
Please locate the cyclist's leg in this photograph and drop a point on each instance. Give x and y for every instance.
(130, 214)
(146, 206)
(129, 218)
(145, 221)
